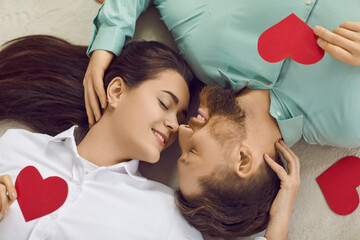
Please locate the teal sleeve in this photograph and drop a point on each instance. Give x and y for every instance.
(115, 24)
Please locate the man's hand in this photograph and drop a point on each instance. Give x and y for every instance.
(343, 43)
(94, 84)
(281, 208)
(7, 194)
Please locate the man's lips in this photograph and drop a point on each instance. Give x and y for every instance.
(202, 116)
(203, 113)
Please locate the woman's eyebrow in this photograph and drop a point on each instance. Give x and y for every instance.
(176, 100)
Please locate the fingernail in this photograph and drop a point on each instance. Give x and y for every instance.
(267, 156)
(13, 195)
(281, 142)
(320, 41)
(5, 213)
(317, 29)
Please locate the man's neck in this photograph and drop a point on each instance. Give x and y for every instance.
(257, 100)
(257, 107)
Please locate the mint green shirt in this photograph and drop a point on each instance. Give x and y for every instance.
(319, 102)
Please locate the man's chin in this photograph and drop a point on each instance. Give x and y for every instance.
(218, 100)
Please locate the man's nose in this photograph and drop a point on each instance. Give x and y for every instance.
(185, 131)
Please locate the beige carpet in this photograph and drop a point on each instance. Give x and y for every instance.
(72, 20)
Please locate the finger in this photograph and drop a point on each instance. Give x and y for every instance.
(279, 170)
(282, 143)
(348, 34)
(332, 38)
(89, 112)
(6, 180)
(100, 91)
(336, 51)
(353, 26)
(296, 161)
(3, 200)
(284, 150)
(295, 158)
(94, 103)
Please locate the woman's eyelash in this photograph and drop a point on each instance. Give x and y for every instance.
(163, 104)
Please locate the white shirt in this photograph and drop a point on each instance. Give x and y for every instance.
(113, 202)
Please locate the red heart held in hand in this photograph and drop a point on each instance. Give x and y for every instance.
(338, 184)
(38, 197)
(292, 38)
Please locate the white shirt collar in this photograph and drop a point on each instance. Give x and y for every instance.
(65, 135)
(131, 167)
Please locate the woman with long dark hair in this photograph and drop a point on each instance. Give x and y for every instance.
(103, 195)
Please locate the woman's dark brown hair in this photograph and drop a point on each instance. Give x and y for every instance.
(41, 78)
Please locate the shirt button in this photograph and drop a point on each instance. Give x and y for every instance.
(270, 85)
(308, 2)
(278, 113)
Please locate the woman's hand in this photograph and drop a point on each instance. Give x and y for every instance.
(7, 194)
(281, 208)
(94, 85)
(343, 43)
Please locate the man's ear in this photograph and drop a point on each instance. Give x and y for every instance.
(244, 162)
(114, 90)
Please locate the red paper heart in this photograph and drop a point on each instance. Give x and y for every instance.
(338, 184)
(38, 197)
(292, 38)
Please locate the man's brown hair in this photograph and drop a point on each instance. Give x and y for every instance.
(229, 206)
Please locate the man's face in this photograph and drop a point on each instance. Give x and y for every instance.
(202, 141)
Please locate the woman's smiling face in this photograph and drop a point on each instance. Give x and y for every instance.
(146, 118)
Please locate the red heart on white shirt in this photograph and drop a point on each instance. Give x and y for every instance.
(292, 38)
(338, 184)
(38, 197)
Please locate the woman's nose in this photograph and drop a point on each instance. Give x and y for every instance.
(172, 125)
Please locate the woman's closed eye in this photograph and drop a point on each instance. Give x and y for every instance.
(163, 105)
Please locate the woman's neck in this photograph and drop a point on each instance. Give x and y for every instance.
(100, 147)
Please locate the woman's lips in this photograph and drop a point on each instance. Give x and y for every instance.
(160, 137)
